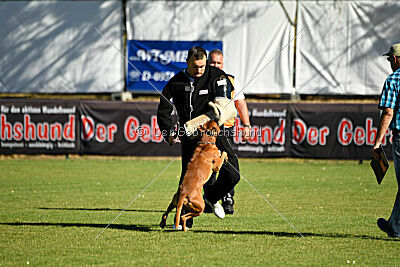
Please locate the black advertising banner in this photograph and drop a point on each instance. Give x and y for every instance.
(336, 131)
(38, 127)
(268, 133)
(332, 131)
(122, 128)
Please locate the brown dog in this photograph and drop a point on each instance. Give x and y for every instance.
(205, 160)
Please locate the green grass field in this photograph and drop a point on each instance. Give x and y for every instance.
(52, 209)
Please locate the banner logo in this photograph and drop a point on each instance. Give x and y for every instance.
(158, 62)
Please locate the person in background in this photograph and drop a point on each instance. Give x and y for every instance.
(389, 103)
(216, 59)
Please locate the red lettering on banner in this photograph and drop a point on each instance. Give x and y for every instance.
(279, 133)
(111, 130)
(30, 129)
(263, 135)
(133, 130)
(371, 132)
(345, 134)
(18, 131)
(6, 132)
(145, 133)
(359, 136)
(323, 134)
(87, 128)
(43, 131)
(299, 129)
(266, 135)
(55, 131)
(90, 129)
(101, 133)
(312, 136)
(156, 137)
(236, 138)
(69, 129)
(130, 129)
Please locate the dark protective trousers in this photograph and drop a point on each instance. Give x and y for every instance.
(228, 175)
(229, 133)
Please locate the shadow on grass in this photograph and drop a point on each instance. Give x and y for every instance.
(150, 228)
(98, 209)
(286, 234)
(132, 227)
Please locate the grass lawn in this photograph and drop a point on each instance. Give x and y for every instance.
(52, 209)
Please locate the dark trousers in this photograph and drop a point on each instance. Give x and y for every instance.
(228, 132)
(228, 175)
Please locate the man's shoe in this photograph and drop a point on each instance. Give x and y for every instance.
(216, 208)
(385, 227)
(228, 208)
(227, 204)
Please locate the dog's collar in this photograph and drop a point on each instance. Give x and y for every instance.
(210, 143)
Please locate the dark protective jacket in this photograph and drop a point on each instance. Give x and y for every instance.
(190, 101)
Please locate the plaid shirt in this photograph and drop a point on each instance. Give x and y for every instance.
(390, 98)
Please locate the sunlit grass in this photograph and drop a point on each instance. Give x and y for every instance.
(51, 211)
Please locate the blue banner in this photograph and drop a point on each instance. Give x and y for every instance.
(153, 63)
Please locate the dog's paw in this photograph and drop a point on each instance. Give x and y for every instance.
(163, 222)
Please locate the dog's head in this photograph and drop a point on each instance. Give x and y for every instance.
(210, 128)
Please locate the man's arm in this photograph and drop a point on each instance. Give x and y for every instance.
(164, 118)
(241, 107)
(386, 118)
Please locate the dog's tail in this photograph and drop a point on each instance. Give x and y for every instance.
(179, 207)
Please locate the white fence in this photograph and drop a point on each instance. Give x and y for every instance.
(54, 47)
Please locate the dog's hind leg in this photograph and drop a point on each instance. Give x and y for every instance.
(196, 206)
(179, 210)
(187, 216)
(171, 206)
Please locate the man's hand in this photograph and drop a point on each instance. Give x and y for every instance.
(386, 118)
(376, 152)
(173, 139)
(246, 133)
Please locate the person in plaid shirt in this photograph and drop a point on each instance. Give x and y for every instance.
(390, 118)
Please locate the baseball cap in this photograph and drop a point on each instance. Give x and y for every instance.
(394, 50)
